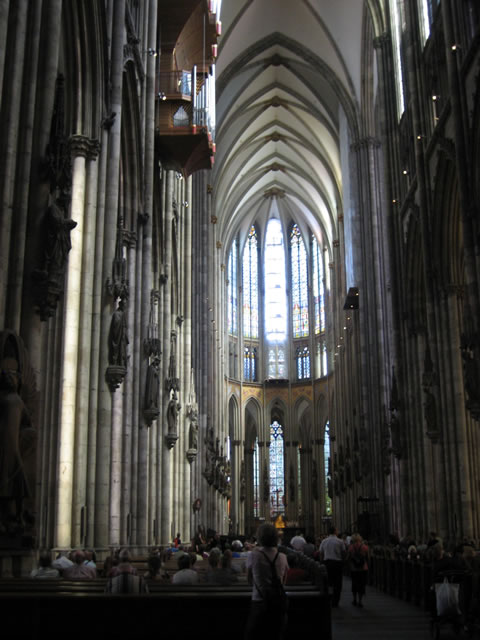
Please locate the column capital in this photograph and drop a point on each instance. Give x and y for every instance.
(368, 142)
(381, 41)
(80, 145)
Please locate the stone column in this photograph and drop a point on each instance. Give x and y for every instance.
(10, 131)
(90, 149)
(166, 484)
(131, 390)
(68, 392)
(463, 152)
(112, 185)
(31, 327)
(95, 380)
(4, 10)
(187, 500)
(15, 286)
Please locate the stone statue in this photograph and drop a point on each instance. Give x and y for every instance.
(152, 385)
(193, 435)
(14, 418)
(209, 440)
(118, 337)
(58, 242)
(172, 414)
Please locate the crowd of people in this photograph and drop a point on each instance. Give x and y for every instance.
(219, 560)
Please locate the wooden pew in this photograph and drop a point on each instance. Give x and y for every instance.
(78, 610)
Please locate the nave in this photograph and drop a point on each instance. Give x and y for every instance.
(383, 616)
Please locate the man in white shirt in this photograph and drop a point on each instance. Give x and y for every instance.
(332, 554)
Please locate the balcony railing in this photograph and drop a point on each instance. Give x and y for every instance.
(175, 84)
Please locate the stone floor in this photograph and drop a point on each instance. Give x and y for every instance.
(383, 617)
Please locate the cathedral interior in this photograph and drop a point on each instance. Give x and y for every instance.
(239, 269)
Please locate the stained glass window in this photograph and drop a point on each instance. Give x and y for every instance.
(256, 481)
(232, 290)
(303, 363)
(275, 291)
(250, 364)
(276, 362)
(250, 286)
(318, 287)
(277, 474)
(326, 462)
(299, 284)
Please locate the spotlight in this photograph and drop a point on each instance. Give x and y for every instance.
(161, 95)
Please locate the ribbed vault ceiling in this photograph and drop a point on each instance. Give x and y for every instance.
(287, 72)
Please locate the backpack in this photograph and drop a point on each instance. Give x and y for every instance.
(274, 597)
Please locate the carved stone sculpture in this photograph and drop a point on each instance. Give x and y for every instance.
(151, 409)
(17, 435)
(118, 337)
(192, 437)
(57, 243)
(173, 409)
(117, 347)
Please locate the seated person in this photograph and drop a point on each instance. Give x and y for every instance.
(223, 574)
(45, 569)
(185, 574)
(126, 579)
(79, 570)
(155, 570)
(295, 574)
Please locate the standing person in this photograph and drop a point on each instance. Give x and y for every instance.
(358, 559)
(267, 572)
(332, 554)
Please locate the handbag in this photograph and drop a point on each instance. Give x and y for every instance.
(447, 598)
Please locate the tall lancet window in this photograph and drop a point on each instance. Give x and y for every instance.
(299, 284)
(277, 471)
(256, 481)
(250, 364)
(232, 290)
(327, 470)
(318, 287)
(250, 286)
(275, 299)
(425, 8)
(302, 357)
(398, 24)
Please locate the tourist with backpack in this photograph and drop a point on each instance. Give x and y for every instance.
(358, 560)
(266, 572)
